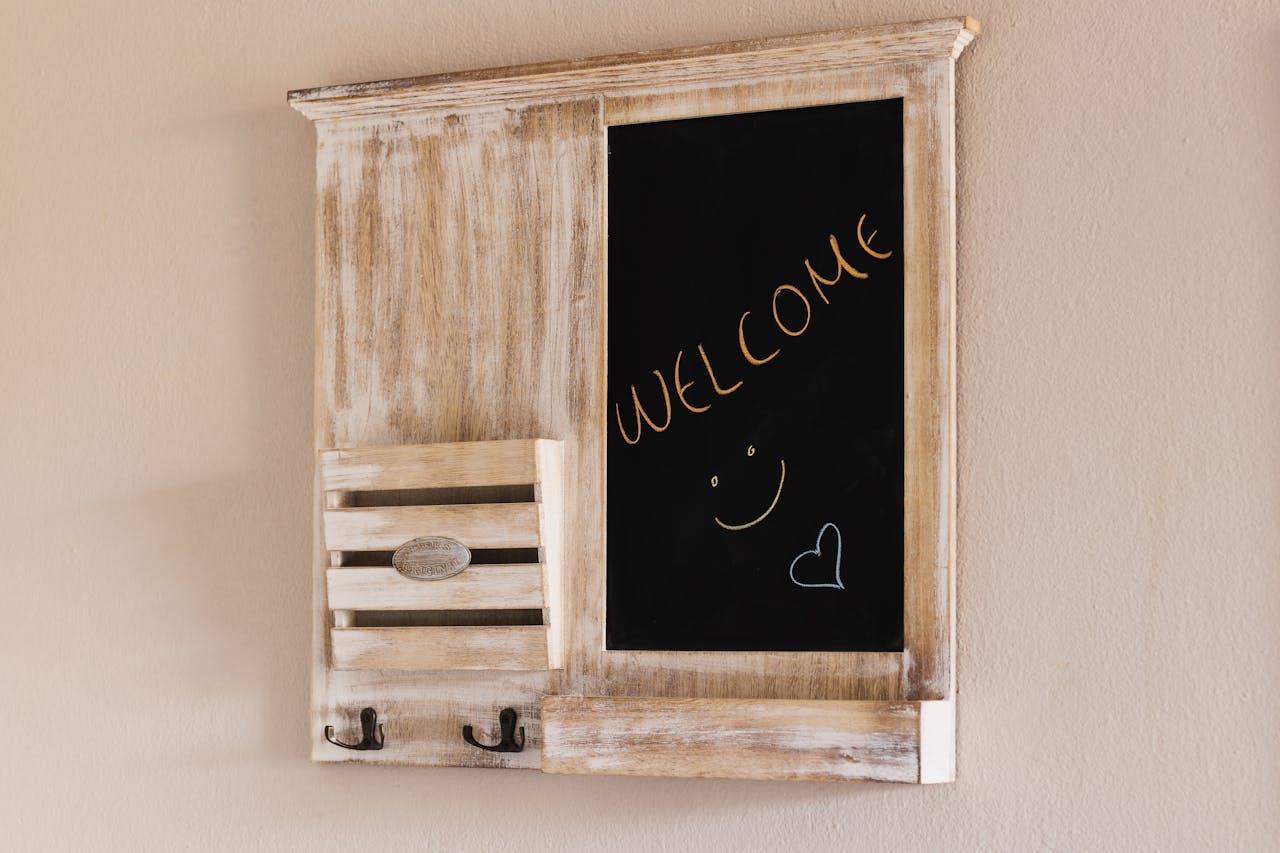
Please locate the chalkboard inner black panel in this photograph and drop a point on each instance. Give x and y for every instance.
(756, 308)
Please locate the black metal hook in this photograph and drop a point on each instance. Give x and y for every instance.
(507, 742)
(368, 725)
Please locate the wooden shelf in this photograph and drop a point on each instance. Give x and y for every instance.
(750, 738)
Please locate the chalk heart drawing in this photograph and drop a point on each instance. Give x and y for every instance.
(816, 565)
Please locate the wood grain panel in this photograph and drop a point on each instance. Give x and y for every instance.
(551, 493)
(514, 647)
(459, 275)
(487, 587)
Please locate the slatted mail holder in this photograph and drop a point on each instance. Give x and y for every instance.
(501, 612)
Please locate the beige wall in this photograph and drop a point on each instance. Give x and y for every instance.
(1119, 541)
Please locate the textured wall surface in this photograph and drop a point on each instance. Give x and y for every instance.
(1119, 603)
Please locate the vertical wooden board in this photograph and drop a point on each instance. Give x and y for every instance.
(551, 495)
(321, 621)
(459, 283)
(458, 294)
(930, 399)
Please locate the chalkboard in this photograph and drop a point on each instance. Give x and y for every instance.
(755, 382)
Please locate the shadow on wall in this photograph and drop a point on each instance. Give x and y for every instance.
(221, 569)
(259, 587)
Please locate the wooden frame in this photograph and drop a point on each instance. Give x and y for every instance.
(434, 195)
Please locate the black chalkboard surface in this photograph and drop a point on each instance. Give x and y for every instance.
(755, 382)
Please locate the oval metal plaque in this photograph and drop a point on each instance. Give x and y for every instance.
(431, 558)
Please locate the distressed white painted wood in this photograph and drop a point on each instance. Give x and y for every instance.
(644, 73)
(424, 727)
(461, 296)
(515, 647)
(474, 525)
(749, 739)
(508, 586)
(467, 463)
(551, 483)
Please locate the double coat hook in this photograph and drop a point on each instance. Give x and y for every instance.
(368, 739)
(507, 740)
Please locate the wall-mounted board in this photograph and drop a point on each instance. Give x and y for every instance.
(756, 571)
(755, 381)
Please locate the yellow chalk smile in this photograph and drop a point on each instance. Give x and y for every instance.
(782, 479)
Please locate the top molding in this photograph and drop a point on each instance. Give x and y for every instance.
(646, 70)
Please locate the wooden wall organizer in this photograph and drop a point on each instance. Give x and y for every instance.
(461, 296)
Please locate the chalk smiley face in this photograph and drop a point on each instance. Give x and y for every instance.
(782, 477)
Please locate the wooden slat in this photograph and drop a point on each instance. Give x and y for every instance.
(690, 68)
(418, 466)
(511, 647)
(757, 739)
(512, 586)
(386, 528)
